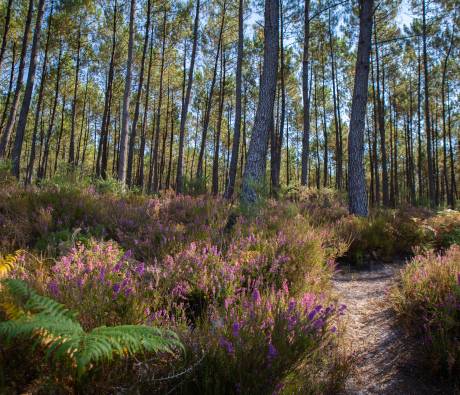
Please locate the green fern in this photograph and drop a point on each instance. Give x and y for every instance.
(55, 328)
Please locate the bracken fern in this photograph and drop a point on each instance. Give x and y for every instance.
(55, 328)
(7, 262)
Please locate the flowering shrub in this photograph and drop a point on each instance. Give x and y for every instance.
(273, 334)
(250, 289)
(427, 301)
(101, 283)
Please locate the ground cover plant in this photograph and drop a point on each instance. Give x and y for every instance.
(427, 301)
(250, 297)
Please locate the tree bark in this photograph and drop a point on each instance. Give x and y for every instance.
(356, 177)
(256, 160)
(6, 135)
(5, 31)
(199, 171)
(431, 175)
(183, 118)
(38, 108)
(215, 161)
(306, 96)
(158, 119)
(124, 134)
(237, 127)
(132, 137)
(74, 103)
(20, 132)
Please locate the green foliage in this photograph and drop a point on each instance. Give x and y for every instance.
(6, 173)
(55, 328)
(427, 301)
(195, 186)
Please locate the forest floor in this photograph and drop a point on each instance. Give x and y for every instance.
(384, 357)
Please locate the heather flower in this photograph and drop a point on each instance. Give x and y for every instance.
(236, 329)
(256, 296)
(272, 351)
(227, 345)
(140, 269)
(318, 324)
(53, 288)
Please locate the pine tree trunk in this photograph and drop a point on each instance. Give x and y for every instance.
(132, 137)
(183, 118)
(21, 129)
(6, 28)
(237, 127)
(158, 119)
(10, 88)
(74, 103)
(306, 96)
(199, 171)
(254, 173)
(7, 132)
(356, 177)
(124, 134)
(140, 175)
(215, 161)
(431, 174)
(38, 108)
(101, 163)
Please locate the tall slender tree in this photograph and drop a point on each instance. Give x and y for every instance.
(356, 179)
(123, 156)
(19, 139)
(254, 172)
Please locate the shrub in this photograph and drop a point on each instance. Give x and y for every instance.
(385, 235)
(427, 301)
(53, 327)
(287, 341)
(444, 229)
(99, 281)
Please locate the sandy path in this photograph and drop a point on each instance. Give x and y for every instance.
(382, 352)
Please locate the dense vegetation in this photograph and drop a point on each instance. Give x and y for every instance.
(180, 181)
(232, 294)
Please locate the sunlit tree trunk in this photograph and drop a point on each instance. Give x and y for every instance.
(257, 154)
(356, 178)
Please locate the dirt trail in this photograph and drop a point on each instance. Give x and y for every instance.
(382, 352)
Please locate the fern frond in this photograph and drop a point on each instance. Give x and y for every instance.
(53, 327)
(7, 262)
(35, 303)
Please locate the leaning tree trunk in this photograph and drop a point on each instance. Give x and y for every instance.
(254, 172)
(6, 134)
(5, 31)
(38, 108)
(18, 141)
(123, 156)
(356, 177)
